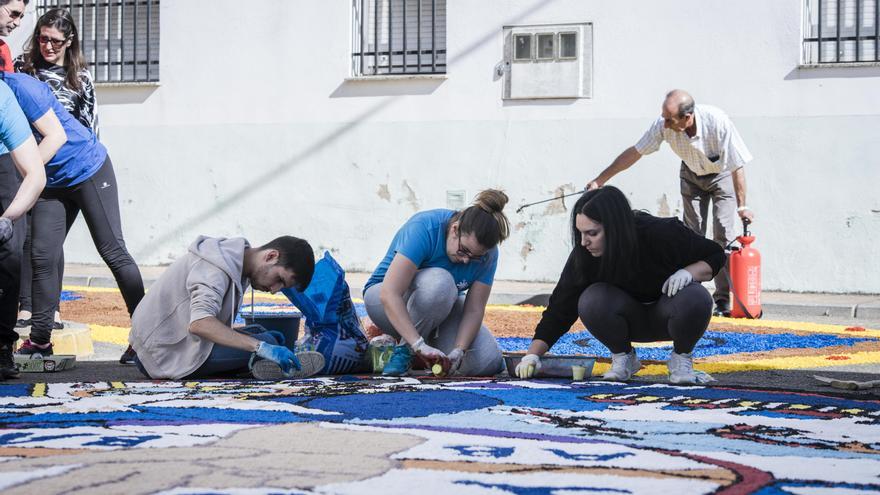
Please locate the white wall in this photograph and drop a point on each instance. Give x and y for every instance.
(254, 131)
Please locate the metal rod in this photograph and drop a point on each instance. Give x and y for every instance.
(858, 27)
(122, 37)
(134, 55)
(837, 43)
(109, 37)
(95, 25)
(362, 38)
(433, 35)
(521, 208)
(375, 37)
(390, 34)
(149, 42)
(404, 36)
(419, 38)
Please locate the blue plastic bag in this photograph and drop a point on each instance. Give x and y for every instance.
(332, 326)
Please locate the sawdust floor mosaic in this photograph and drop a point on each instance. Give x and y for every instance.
(347, 435)
(729, 345)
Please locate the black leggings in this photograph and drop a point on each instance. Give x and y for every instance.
(51, 220)
(616, 319)
(10, 254)
(25, 298)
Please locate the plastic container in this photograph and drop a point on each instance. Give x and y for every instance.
(286, 322)
(381, 348)
(552, 365)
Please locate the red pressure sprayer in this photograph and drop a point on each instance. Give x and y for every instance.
(745, 275)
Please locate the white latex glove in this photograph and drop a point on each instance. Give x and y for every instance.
(455, 358)
(528, 366)
(430, 354)
(677, 281)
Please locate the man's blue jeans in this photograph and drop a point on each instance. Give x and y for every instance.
(226, 361)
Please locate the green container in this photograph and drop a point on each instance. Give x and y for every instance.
(379, 355)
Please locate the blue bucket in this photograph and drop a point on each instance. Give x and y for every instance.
(287, 323)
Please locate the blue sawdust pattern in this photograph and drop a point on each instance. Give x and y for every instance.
(712, 344)
(69, 295)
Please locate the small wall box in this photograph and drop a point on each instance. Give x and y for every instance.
(548, 61)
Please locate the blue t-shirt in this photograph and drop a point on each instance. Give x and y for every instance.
(81, 156)
(14, 128)
(422, 239)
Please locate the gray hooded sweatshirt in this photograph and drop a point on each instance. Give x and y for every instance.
(207, 281)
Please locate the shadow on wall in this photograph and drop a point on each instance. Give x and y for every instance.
(124, 94)
(833, 72)
(387, 87)
(346, 89)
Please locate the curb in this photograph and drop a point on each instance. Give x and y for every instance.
(866, 311)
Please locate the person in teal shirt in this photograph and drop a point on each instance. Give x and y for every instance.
(431, 288)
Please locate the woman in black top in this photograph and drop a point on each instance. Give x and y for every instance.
(631, 277)
(53, 56)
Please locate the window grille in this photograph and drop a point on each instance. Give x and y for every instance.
(398, 37)
(841, 31)
(118, 38)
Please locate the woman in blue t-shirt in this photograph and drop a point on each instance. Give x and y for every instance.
(79, 177)
(431, 289)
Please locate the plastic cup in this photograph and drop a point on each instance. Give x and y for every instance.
(578, 372)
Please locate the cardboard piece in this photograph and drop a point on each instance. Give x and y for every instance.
(48, 364)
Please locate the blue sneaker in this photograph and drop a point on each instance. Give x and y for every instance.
(400, 361)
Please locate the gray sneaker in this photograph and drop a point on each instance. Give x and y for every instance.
(623, 366)
(681, 368)
(311, 363)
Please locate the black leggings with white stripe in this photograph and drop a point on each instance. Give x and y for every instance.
(617, 320)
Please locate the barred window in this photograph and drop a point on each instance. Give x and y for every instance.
(119, 38)
(398, 37)
(841, 31)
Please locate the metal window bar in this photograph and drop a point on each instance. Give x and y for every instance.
(112, 35)
(838, 38)
(384, 28)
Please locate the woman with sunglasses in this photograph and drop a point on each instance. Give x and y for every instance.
(631, 277)
(431, 289)
(54, 57)
(79, 178)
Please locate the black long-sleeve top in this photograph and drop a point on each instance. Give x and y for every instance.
(664, 246)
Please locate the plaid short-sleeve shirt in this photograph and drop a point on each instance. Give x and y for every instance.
(716, 147)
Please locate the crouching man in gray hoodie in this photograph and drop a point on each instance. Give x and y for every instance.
(182, 328)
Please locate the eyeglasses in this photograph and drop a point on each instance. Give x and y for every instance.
(56, 44)
(464, 253)
(14, 14)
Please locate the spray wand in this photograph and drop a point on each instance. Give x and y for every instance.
(549, 199)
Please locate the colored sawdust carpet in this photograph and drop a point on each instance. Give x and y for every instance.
(348, 435)
(729, 345)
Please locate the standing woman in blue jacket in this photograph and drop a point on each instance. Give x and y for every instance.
(53, 56)
(631, 277)
(79, 178)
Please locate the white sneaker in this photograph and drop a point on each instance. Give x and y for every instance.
(681, 368)
(623, 366)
